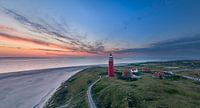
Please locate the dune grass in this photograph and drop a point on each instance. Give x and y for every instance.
(72, 93)
(147, 92)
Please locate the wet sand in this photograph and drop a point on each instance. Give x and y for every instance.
(31, 89)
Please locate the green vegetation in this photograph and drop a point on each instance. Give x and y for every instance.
(192, 73)
(147, 92)
(181, 63)
(72, 93)
(171, 65)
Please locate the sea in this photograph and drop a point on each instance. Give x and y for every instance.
(16, 64)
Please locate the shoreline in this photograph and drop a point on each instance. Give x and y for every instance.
(22, 84)
(33, 71)
(72, 92)
(33, 88)
(55, 90)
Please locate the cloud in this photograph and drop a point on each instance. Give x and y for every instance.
(11, 47)
(50, 50)
(56, 31)
(185, 46)
(179, 41)
(24, 39)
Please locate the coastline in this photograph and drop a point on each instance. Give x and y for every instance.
(33, 71)
(33, 88)
(72, 93)
(21, 89)
(51, 94)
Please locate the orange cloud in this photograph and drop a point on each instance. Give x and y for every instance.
(19, 46)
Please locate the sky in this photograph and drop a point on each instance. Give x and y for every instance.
(71, 28)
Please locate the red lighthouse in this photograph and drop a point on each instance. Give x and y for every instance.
(110, 66)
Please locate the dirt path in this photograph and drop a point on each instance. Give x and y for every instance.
(89, 95)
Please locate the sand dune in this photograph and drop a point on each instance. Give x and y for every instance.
(31, 89)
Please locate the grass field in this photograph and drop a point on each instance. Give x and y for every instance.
(192, 73)
(147, 92)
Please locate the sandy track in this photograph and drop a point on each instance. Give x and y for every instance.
(31, 89)
(91, 103)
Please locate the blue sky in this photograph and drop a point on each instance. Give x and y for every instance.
(118, 25)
